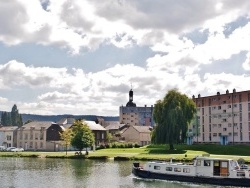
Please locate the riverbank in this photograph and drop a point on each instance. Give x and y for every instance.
(181, 153)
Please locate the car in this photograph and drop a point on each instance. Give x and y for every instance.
(10, 148)
(17, 149)
(2, 148)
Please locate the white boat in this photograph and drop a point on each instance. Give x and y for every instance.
(204, 170)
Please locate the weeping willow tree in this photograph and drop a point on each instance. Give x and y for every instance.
(172, 116)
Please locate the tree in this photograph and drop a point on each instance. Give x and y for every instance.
(172, 116)
(82, 136)
(6, 119)
(16, 118)
(66, 137)
(109, 136)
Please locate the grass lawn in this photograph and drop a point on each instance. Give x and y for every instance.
(152, 152)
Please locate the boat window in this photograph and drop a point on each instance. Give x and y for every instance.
(177, 169)
(198, 163)
(157, 167)
(186, 170)
(169, 168)
(207, 163)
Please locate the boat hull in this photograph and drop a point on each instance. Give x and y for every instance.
(238, 182)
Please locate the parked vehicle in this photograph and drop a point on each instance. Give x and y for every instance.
(2, 148)
(17, 149)
(10, 148)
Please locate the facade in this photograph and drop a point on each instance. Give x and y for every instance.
(136, 116)
(39, 135)
(98, 131)
(8, 136)
(138, 134)
(221, 118)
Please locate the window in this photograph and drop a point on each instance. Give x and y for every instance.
(219, 107)
(186, 170)
(224, 129)
(21, 135)
(214, 134)
(198, 163)
(229, 106)
(169, 169)
(206, 163)
(229, 125)
(8, 137)
(157, 167)
(177, 169)
(102, 135)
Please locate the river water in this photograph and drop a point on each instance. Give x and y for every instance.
(75, 173)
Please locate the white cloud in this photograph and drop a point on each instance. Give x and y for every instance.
(163, 26)
(246, 64)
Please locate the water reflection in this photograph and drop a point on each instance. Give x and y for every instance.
(74, 173)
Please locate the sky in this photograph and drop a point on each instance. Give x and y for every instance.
(82, 57)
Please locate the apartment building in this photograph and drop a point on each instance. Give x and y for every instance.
(8, 136)
(136, 116)
(221, 118)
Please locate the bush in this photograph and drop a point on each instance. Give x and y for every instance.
(130, 145)
(114, 145)
(137, 145)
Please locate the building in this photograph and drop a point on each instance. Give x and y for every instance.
(221, 118)
(99, 132)
(136, 116)
(138, 134)
(8, 136)
(40, 135)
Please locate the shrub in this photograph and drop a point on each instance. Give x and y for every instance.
(137, 145)
(130, 145)
(114, 145)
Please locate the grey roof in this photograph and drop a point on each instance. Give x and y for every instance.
(38, 124)
(68, 120)
(95, 127)
(8, 128)
(143, 129)
(114, 126)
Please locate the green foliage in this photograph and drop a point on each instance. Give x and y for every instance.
(66, 137)
(119, 145)
(108, 136)
(172, 116)
(12, 118)
(82, 136)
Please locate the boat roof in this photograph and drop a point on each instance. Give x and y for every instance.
(212, 158)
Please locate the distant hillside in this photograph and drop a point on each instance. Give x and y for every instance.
(55, 118)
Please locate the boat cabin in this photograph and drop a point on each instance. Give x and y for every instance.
(201, 166)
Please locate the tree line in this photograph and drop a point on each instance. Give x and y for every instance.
(12, 118)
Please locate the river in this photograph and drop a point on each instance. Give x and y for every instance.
(74, 173)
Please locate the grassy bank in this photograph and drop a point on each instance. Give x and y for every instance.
(159, 152)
